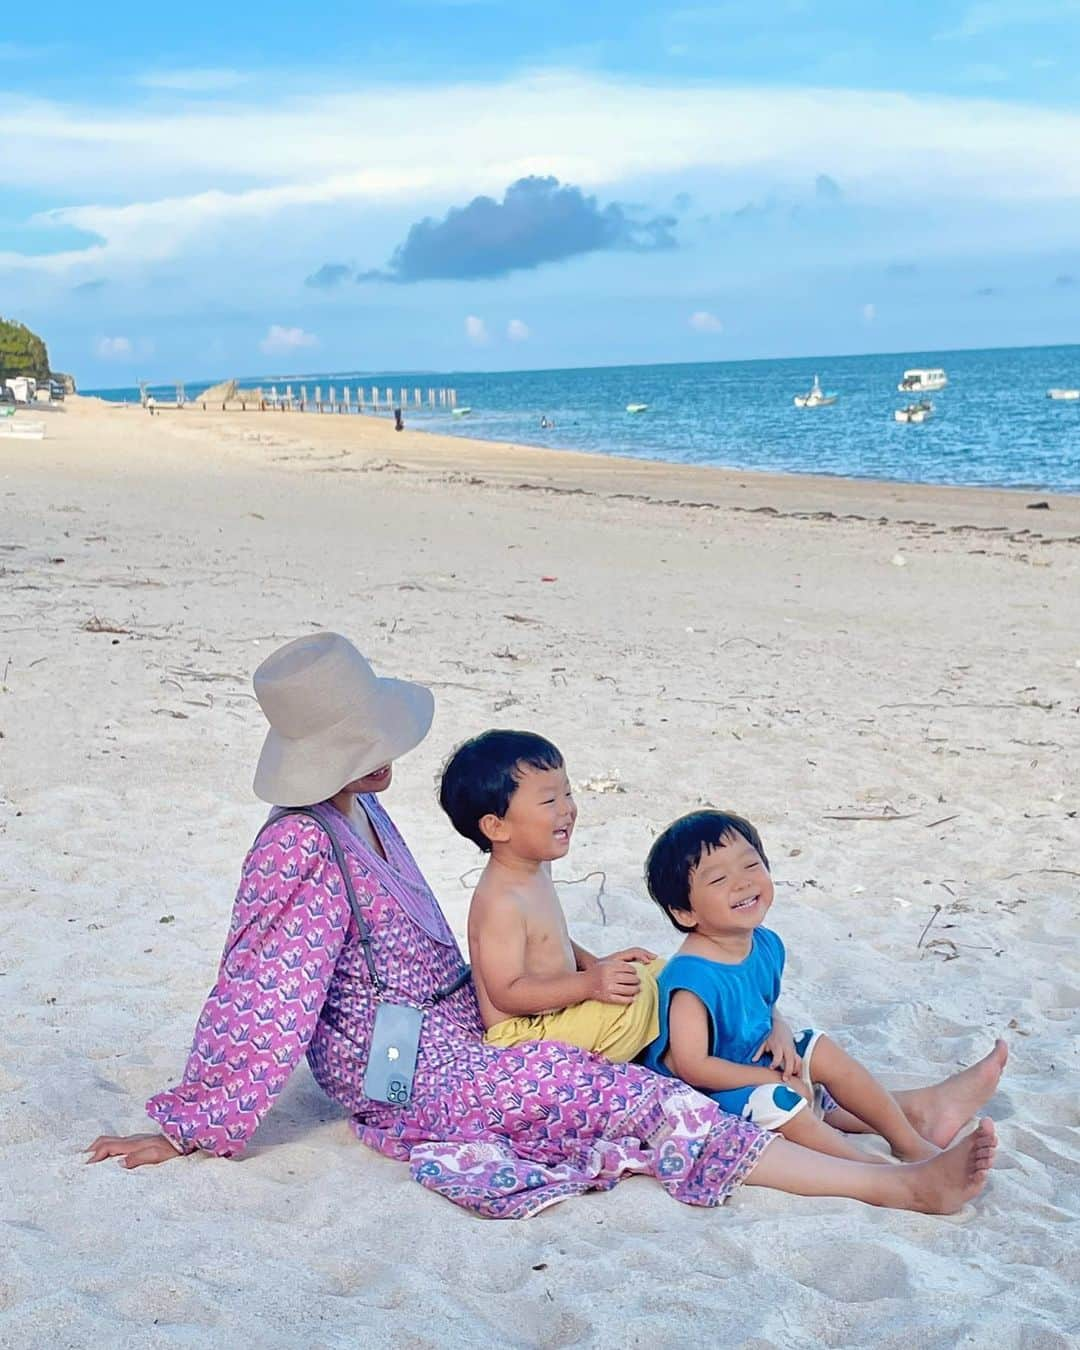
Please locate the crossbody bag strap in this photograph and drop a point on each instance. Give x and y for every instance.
(365, 933)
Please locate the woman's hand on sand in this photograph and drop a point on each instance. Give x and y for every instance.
(640, 954)
(613, 980)
(132, 1150)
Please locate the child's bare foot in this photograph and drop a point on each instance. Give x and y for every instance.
(920, 1151)
(955, 1176)
(938, 1112)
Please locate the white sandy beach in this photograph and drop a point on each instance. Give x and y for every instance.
(885, 679)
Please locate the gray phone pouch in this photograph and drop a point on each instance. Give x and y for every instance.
(395, 1044)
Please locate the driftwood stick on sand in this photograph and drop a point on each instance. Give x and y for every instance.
(929, 923)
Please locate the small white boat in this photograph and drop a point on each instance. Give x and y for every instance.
(637, 407)
(22, 431)
(921, 381)
(1063, 395)
(915, 412)
(460, 412)
(816, 398)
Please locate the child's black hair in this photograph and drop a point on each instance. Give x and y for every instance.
(483, 774)
(676, 854)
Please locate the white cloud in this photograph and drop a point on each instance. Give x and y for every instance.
(476, 329)
(991, 16)
(159, 167)
(210, 80)
(113, 348)
(869, 313)
(517, 331)
(701, 321)
(279, 339)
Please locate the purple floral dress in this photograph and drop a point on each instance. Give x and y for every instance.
(503, 1133)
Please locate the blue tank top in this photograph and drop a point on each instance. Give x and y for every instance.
(739, 999)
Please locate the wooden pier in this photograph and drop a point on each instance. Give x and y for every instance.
(343, 399)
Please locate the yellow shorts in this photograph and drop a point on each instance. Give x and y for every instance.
(618, 1031)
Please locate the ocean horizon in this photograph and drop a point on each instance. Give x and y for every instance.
(992, 425)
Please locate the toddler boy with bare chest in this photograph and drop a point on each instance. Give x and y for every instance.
(508, 792)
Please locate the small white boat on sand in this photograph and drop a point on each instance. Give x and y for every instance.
(1063, 395)
(816, 398)
(922, 381)
(637, 407)
(915, 412)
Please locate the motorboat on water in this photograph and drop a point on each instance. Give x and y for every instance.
(922, 381)
(1063, 395)
(915, 412)
(816, 398)
(460, 412)
(637, 407)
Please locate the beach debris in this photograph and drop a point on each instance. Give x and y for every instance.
(1038, 506)
(887, 812)
(943, 947)
(929, 925)
(943, 821)
(506, 655)
(524, 618)
(549, 578)
(167, 918)
(601, 785)
(191, 673)
(898, 560)
(577, 881)
(96, 625)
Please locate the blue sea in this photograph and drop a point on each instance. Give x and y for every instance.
(993, 424)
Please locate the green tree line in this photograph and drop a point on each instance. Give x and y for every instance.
(22, 352)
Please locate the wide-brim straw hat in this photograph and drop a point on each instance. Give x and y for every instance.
(332, 719)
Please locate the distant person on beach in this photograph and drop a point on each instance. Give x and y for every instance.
(338, 949)
(720, 1026)
(508, 792)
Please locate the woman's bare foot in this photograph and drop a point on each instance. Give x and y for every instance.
(954, 1177)
(938, 1112)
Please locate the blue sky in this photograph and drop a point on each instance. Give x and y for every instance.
(480, 185)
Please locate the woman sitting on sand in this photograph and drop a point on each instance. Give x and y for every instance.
(502, 1132)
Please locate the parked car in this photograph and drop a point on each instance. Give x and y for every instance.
(7, 395)
(56, 391)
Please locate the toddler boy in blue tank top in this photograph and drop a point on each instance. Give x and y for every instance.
(720, 1029)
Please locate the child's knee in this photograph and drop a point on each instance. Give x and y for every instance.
(773, 1106)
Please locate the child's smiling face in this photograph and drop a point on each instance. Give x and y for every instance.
(540, 818)
(731, 890)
